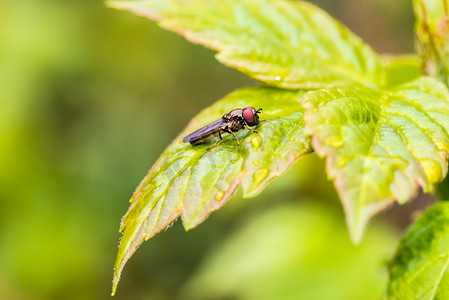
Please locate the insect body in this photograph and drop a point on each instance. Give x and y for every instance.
(233, 121)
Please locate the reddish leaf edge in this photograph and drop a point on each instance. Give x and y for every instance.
(118, 268)
(231, 191)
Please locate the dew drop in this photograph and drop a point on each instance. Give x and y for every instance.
(256, 142)
(277, 78)
(219, 195)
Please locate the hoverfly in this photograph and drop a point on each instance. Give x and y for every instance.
(233, 121)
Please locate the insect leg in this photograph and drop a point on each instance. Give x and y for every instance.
(216, 143)
(238, 143)
(247, 127)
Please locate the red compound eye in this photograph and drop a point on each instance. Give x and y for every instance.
(250, 116)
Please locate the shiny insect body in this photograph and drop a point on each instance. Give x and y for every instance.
(234, 121)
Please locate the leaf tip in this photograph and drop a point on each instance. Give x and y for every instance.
(356, 223)
(189, 224)
(125, 251)
(118, 267)
(356, 232)
(115, 281)
(357, 219)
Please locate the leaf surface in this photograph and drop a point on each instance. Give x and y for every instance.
(419, 269)
(380, 145)
(289, 44)
(400, 69)
(192, 182)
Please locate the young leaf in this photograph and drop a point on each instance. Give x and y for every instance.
(192, 182)
(400, 69)
(419, 269)
(380, 145)
(290, 44)
(432, 34)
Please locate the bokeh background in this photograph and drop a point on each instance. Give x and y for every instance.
(90, 97)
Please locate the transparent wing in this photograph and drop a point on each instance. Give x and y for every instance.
(204, 133)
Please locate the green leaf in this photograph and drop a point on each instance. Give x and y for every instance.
(298, 250)
(400, 69)
(380, 145)
(192, 182)
(432, 34)
(419, 269)
(290, 44)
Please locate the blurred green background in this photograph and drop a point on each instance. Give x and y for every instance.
(89, 98)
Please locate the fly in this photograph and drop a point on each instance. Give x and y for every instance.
(234, 121)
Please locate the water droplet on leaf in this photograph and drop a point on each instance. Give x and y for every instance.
(256, 142)
(219, 195)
